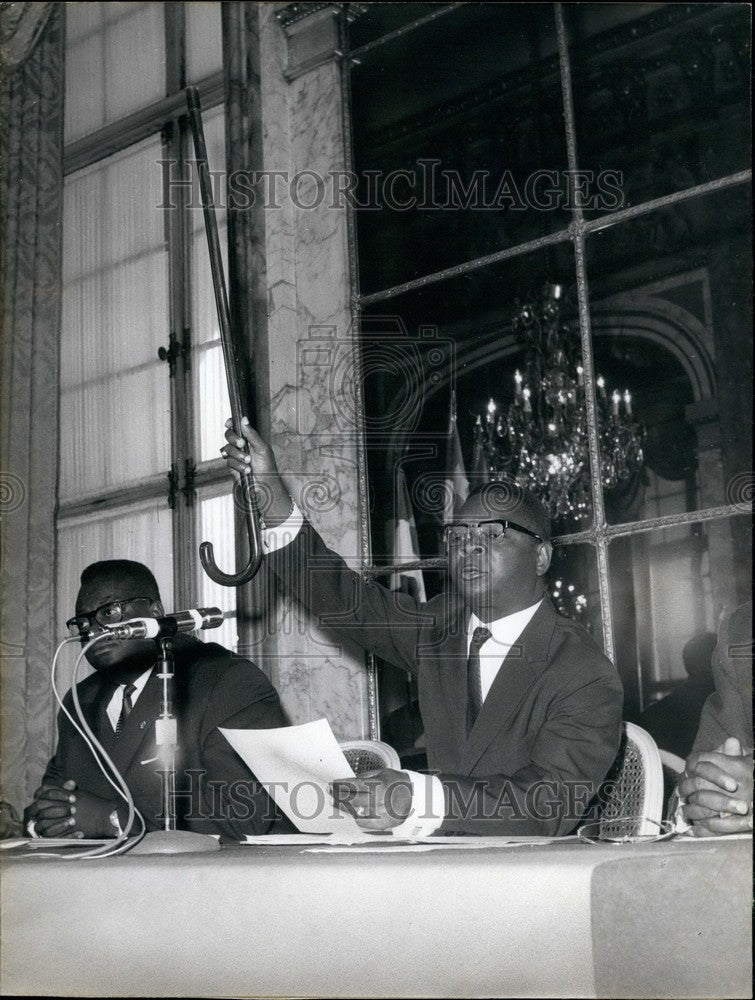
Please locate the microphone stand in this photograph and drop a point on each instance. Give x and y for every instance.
(169, 840)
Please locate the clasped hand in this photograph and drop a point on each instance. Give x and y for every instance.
(378, 800)
(245, 452)
(67, 811)
(716, 788)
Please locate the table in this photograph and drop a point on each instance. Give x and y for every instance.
(562, 920)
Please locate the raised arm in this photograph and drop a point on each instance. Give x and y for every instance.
(381, 621)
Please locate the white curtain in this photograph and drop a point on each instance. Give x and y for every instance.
(115, 393)
(215, 523)
(204, 44)
(210, 389)
(115, 62)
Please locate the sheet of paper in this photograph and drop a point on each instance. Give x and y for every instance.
(296, 765)
(434, 844)
(52, 843)
(386, 842)
(396, 847)
(310, 839)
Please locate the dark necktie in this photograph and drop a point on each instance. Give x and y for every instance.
(474, 683)
(125, 707)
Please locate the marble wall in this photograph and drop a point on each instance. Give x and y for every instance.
(310, 359)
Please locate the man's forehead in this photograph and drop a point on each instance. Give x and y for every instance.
(107, 588)
(506, 502)
(493, 504)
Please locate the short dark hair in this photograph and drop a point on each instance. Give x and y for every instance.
(126, 570)
(507, 495)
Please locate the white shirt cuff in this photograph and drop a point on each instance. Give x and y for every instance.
(116, 823)
(428, 807)
(284, 533)
(680, 823)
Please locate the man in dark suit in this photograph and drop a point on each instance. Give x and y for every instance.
(716, 786)
(215, 791)
(522, 711)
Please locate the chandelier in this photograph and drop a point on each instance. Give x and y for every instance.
(541, 441)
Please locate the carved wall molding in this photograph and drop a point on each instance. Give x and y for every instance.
(291, 13)
(312, 34)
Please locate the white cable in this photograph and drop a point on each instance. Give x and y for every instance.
(120, 844)
(119, 784)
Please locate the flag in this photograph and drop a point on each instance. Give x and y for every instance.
(405, 547)
(456, 483)
(479, 472)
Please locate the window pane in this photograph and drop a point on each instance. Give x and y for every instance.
(668, 586)
(661, 92)
(204, 45)
(459, 148)
(671, 315)
(142, 534)
(115, 399)
(213, 405)
(215, 523)
(467, 333)
(572, 587)
(115, 62)
(210, 388)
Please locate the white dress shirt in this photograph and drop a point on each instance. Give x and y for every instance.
(115, 704)
(494, 650)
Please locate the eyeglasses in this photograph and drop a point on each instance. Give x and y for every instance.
(107, 614)
(457, 533)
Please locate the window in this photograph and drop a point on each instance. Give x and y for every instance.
(603, 148)
(143, 392)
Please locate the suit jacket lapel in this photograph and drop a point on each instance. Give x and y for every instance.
(517, 674)
(94, 700)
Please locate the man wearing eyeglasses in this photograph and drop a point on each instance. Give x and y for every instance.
(522, 711)
(215, 792)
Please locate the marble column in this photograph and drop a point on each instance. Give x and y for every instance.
(308, 363)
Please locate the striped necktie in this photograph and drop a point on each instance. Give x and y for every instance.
(125, 707)
(474, 683)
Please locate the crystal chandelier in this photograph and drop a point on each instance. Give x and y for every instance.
(542, 440)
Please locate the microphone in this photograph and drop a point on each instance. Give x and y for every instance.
(158, 628)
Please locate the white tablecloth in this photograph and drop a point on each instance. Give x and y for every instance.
(567, 920)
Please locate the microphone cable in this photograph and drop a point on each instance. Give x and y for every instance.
(121, 843)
